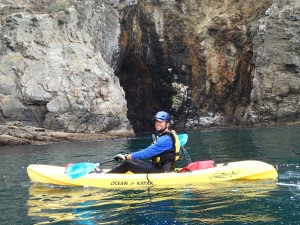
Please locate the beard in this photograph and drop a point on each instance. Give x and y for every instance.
(161, 129)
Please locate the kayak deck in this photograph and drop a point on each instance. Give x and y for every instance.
(241, 170)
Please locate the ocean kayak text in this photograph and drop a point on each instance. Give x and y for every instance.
(123, 183)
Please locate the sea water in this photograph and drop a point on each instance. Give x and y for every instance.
(263, 202)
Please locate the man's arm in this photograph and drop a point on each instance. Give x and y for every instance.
(162, 144)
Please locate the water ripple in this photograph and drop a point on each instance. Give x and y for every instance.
(92, 206)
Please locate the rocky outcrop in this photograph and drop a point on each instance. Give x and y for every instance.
(233, 63)
(275, 96)
(56, 66)
(69, 65)
(23, 135)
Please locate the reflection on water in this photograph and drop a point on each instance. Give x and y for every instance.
(94, 206)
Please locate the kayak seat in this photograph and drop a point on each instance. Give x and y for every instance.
(169, 167)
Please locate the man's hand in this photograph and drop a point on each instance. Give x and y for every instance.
(120, 157)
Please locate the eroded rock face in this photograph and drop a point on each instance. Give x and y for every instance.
(276, 79)
(56, 66)
(237, 61)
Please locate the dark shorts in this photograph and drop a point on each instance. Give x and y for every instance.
(135, 166)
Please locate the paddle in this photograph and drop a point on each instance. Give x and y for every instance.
(80, 169)
(183, 138)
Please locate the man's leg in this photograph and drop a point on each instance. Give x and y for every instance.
(135, 166)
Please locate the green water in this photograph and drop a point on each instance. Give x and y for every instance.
(22, 202)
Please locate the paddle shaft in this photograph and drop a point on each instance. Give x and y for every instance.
(186, 155)
(108, 161)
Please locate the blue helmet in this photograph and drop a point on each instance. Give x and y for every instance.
(162, 116)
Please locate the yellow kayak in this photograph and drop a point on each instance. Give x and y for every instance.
(241, 170)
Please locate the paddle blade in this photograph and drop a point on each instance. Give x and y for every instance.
(80, 169)
(183, 138)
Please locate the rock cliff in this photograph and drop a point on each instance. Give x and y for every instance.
(212, 62)
(76, 66)
(56, 66)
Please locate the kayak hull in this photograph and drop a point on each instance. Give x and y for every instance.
(241, 170)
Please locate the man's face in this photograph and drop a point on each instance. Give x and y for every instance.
(160, 125)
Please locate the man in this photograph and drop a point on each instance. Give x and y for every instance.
(163, 152)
